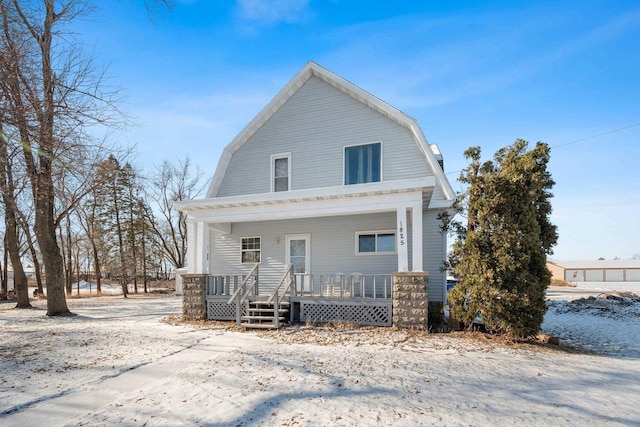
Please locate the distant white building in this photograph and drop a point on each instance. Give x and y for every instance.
(627, 270)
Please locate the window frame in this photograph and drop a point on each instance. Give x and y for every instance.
(376, 233)
(275, 157)
(344, 161)
(259, 250)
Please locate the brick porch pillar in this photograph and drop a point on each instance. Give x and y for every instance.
(194, 303)
(410, 300)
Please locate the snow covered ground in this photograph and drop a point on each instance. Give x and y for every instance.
(118, 363)
(84, 288)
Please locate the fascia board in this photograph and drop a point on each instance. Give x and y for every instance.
(352, 192)
(310, 208)
(423, 145)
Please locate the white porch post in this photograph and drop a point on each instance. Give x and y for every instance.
(192, 237)
(201, 247)
(416, 238)
(401, 239)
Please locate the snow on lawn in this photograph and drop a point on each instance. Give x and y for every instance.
(603, 325)
(118, 364)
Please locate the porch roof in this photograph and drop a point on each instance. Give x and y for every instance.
(346, 199)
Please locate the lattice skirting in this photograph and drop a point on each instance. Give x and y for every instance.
(374, 313)
(220, 309)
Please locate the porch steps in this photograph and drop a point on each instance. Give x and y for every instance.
(261, 315)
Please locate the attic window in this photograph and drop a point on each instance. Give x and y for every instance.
(281, 172)
(362, 163)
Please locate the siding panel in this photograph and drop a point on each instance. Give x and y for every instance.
(434, 247)
(314, 125)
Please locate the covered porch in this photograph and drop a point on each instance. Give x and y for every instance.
(326, 282)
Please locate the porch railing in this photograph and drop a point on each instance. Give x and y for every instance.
(344, 286)
(336, 285)
(243, 291)
(278, 295)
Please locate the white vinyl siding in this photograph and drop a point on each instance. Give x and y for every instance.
(315, 125)
(433, 254)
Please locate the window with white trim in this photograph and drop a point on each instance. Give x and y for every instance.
(362, 163)
(250, 249)
(281, 172)
(375, 242)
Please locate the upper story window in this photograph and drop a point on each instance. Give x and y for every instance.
(281, 172)
(250, 249)
(362, 163)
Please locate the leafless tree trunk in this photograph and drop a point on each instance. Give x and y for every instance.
(144, 252)
(11, 238)
(41, 96)
(132, 232)
(123, 264)
(32, 249)
(87, 220)
(4, 279)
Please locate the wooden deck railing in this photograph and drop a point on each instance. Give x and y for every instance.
(335, 285)
(339, 285)
(287, 280)
(243, 291)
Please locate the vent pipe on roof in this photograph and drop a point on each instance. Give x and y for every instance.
(438, 154)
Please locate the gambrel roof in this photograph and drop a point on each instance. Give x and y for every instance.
(314, 70)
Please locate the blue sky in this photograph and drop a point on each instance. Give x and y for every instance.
(471, 73)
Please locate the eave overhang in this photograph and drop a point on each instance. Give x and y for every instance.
(325, 201)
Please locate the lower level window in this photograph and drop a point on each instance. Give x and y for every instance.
(379, 242)
(251, 249)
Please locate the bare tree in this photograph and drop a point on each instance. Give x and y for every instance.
(171, 183)
(11, 237)
(88, 219)
(54, 95)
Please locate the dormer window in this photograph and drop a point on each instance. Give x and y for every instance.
(281, 172)
(362, 163)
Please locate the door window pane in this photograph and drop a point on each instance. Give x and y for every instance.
(297, 248)
(299, 264)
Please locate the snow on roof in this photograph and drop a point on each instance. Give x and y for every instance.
(601, 263)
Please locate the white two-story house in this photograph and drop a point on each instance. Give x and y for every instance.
(331, 180)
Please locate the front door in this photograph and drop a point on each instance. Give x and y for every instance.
(298, 253)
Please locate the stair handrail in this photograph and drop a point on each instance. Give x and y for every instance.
(288, 272)
(238, 291)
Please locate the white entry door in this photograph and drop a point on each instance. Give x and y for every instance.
(298, 253)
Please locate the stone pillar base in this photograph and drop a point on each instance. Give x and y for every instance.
(410, 300)
(194, 303)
